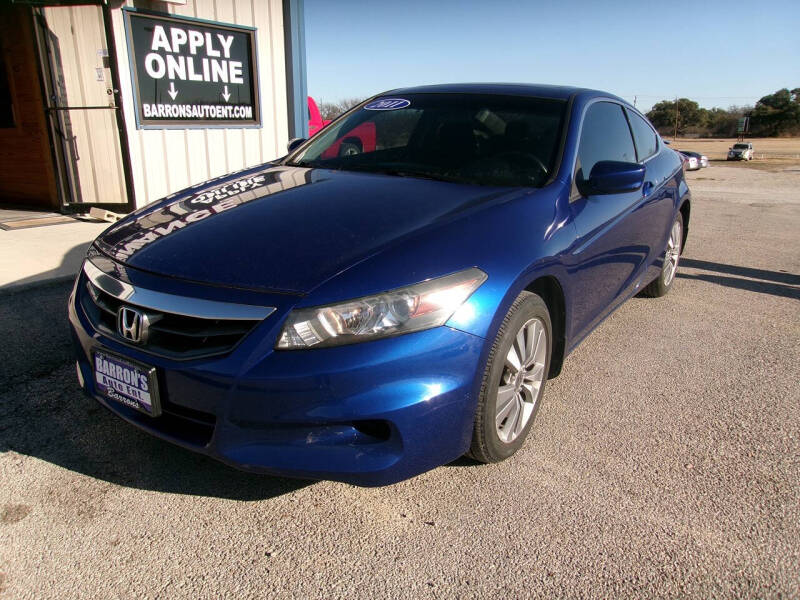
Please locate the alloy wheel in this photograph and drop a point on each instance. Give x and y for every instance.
(521, 381)
(673, 253)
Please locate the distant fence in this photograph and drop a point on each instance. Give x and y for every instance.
(763, 155)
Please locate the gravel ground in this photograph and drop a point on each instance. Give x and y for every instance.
(665, 461)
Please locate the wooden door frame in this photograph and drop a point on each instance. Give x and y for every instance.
(44, 69)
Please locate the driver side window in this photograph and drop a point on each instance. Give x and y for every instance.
(605, 136)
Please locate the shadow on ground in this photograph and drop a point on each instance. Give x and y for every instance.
(44, 414)
(776, 276)
(776, 283)
(70, 263)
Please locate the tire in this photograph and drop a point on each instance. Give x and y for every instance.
(522, 392)
(662, 284)
(349, 149)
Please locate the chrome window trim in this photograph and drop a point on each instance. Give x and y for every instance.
(170, 303)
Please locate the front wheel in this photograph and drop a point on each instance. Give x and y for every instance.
(513, 382)
(663, 283)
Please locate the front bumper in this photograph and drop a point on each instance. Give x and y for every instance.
(368, 414)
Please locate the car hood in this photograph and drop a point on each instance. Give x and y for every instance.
(284, 228)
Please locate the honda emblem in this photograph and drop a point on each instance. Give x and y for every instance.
(132, 325)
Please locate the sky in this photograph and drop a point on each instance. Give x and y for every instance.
(717, 53)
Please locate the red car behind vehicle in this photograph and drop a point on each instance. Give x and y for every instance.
(358, 140)
(315, 120)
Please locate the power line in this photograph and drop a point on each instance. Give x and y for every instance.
(693, 96)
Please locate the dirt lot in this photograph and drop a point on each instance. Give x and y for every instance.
(772, 154)
(665, 461)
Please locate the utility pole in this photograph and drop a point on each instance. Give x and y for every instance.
(675, 137)
(634, 102)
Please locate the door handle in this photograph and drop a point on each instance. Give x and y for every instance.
(75, 147)
(647, 188)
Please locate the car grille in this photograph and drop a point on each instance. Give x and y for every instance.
(173, 336)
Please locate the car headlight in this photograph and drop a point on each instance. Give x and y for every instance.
(403, 310)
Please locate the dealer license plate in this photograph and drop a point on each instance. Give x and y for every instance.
(127, 382)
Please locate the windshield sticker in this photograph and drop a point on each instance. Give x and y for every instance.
(388, 104)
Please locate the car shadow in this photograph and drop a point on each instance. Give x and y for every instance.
(762, 287)
(776, 276)
(44, 414)
(775, 283)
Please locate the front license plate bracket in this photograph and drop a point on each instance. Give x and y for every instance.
(126, 381)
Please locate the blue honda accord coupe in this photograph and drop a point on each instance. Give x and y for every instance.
(392, 294)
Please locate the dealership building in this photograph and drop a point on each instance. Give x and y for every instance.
(115, 104)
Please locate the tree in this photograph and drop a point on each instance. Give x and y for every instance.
(331, 110)
(689, 115)
(724, 123)
(778, 113)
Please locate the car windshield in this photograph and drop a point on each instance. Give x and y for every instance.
(741, 146)
(465, 138)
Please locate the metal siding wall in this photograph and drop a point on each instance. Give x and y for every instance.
(167, 160)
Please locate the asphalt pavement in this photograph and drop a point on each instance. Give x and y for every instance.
(665, 462)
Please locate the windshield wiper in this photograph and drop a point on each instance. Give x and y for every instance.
(306, 165)
(378, 171)
(418, 174)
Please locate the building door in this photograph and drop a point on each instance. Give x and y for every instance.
(82, 109)
(27, 177)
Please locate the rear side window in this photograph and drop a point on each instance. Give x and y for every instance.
(645, 137)
(605, 136)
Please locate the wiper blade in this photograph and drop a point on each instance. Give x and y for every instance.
(377, 170)
(307, 165)
(418, 174)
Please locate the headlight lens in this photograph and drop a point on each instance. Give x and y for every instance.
(421, 306)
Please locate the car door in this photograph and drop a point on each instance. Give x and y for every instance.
(612, 244)
(656, 212)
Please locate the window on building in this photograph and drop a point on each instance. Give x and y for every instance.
(6, 107)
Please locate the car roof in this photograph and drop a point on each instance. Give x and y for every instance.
(507, 89)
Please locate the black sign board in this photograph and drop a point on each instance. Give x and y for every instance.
(188, 72)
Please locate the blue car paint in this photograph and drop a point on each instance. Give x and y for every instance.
(292, 412)
(273, 229)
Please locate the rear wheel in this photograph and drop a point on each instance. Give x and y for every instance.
(514, 380)
(663, 283)
(349, 149)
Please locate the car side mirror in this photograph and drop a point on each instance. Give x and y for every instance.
(615, 177)
(294, 143)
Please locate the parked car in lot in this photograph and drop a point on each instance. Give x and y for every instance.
(359, 139)
(700, 160)
(692, 162)
(741, 151)
(367, 316)
(315, 120)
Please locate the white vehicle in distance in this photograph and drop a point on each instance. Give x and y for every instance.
(691, 162)
(741, 151)
(696, 160)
